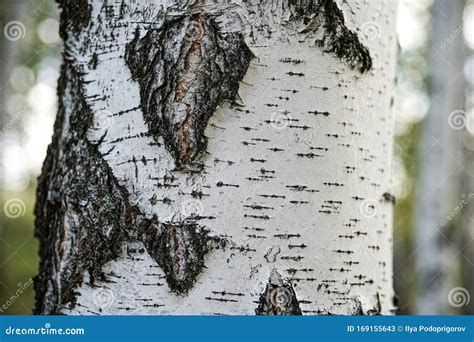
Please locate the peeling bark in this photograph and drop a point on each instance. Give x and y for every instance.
(243, 111)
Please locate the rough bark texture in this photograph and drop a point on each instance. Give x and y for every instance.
(219, 158)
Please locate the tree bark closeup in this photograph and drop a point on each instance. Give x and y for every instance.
(220, 157)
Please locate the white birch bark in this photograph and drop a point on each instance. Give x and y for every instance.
(288, 208)
(441, 151)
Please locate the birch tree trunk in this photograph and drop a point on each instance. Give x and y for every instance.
(467, 228)
(441, 150)
(229, 157)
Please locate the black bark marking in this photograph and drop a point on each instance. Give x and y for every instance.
(185, 70)
(272, 254)
(224, 293)
(337, 37)
(78, 14)
(388, 197)
(279, 298)
(179, 249)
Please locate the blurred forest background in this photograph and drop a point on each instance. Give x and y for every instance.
(433, 166)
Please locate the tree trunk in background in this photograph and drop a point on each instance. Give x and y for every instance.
(467, 232)
(220, 158)
(441, 151)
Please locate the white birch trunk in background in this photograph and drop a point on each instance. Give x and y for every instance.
(285, 208)
(467, 230)
(441, 151)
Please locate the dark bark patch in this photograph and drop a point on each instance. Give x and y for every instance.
(337, 37)
(185, 70)
(78, 192)
(388, 197)
(179, 249)
(75, 14)
(278, 299)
